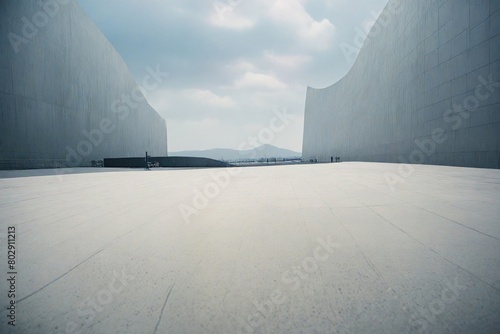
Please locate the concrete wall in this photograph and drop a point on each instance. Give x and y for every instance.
(59, 81)
(424, 89)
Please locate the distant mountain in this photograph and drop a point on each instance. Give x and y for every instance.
(264, 151)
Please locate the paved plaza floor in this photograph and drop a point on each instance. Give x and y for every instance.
(325, 248)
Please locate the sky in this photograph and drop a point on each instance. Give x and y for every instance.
(238, 69)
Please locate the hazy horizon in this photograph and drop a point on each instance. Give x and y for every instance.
(229, 148)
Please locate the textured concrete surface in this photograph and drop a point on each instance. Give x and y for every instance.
(66, 95)
(425, 88)
(327, 248)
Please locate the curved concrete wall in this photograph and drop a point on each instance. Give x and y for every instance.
(66, 95)
(424, 89)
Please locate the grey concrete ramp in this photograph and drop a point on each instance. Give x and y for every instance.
(330, 248)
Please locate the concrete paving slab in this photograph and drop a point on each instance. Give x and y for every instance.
(326, 248)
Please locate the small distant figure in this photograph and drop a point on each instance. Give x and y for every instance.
(146, 161)
(331, 159)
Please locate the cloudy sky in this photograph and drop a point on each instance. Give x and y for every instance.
(234, 63)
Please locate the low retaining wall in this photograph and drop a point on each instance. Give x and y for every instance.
(180, 162)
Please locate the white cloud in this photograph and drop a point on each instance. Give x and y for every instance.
(314, 34)
(311, 33)
(337, 3)
(290, 11)
(290, 61)
(242, 66)
(208, 97)
(323, 29)
(194, 104)
(226, 15)
(259, 80)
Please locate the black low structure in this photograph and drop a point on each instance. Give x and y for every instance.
(178, 162)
